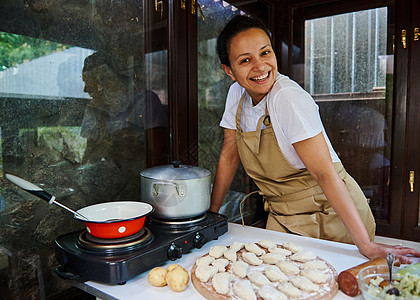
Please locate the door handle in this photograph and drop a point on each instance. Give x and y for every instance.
(159, 4)
(194, 5)
(411, 181)
(404, 38)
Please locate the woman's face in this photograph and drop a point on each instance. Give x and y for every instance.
(253, 63)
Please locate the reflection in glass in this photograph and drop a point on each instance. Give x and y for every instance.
(83, 109)
(213, 85)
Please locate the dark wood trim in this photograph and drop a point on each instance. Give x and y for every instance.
(178, 80)
(411, 229)
(192, 67)
(398, 155)
(323, 8)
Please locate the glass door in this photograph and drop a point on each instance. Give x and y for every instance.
(346, 62)
(213, 85)
(359, 63)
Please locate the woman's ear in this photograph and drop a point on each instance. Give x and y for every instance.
(228, 71)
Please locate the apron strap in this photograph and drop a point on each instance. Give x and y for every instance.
(239, 112)
(258, 134)
(314, 190)
(297, 195)
(246, 197)
(254, 142)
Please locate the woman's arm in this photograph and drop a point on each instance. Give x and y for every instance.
(315, 155)
(226, 170)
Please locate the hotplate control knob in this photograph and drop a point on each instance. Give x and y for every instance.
(199, 240)
(174, 252)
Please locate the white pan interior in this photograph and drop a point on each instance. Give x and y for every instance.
(122, 210)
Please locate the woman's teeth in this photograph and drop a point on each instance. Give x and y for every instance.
(259, 78)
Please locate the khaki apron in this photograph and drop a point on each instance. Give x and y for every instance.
(293, 198)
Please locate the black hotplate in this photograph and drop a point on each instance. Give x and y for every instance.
(82, 259)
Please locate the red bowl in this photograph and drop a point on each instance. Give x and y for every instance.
(113, 220)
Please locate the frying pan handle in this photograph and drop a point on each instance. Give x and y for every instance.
(30, 188)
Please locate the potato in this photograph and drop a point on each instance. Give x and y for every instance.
(173, 266)
(177, 278)
(157, 276)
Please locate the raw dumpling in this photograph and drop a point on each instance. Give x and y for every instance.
(251, 258)
(220, 264)
(258, 278)
(303, 256)
(267, 292)
(304, 284)
(272, 258)
(314, 275)
(236, 246)
(204, 273)
(266, 244)
(243, 289)
(240, 268)
(288, 267)
(221, 282)
(204, 261)
(315, 264)
(276, 249)
(230, 255)
(217, 251)
(274, 274)
(253, 248)
(292, 247)
(289, 289)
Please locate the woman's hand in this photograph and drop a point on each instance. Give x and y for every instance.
(319, 164)
(374, 250)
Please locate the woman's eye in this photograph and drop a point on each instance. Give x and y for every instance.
(245, 60)
(265, 52)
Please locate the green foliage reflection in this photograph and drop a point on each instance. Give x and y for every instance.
(16, 49)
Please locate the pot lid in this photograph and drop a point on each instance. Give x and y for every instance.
(175, 171)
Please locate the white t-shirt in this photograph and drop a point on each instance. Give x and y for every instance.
(293, 113)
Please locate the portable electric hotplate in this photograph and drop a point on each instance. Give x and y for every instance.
(84, 257)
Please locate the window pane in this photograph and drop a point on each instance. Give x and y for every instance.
(349, 72)
(83, 109)
(213, 85)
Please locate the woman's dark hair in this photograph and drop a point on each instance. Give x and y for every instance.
(235, 26)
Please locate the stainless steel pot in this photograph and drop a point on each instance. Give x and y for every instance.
(176, 191)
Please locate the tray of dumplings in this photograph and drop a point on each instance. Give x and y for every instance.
(263, 270)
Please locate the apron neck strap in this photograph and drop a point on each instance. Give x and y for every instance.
(239, 112)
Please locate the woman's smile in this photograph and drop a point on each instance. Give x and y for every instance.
(262, 78)
(253, 63)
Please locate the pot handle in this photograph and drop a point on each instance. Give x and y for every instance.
(180, 188)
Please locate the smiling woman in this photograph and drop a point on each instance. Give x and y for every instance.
(273, 127)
